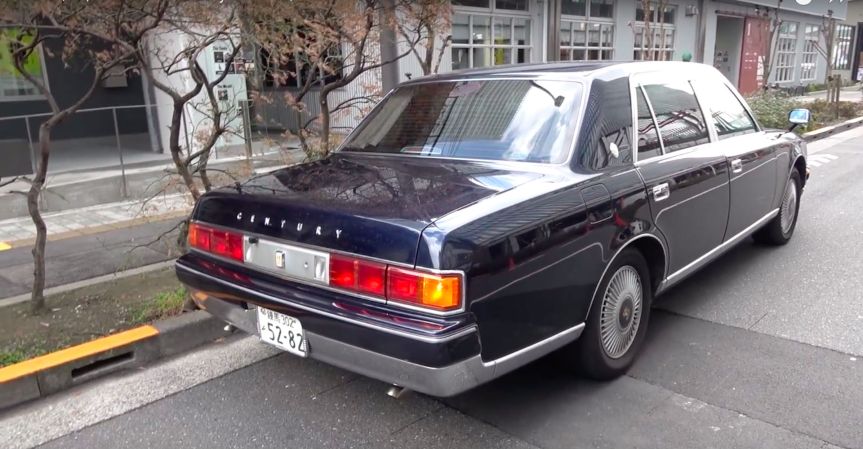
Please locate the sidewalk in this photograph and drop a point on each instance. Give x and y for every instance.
(846, 94)
(20, 231)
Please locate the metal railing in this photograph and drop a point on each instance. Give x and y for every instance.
(136, 139)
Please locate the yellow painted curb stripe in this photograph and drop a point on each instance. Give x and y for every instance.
(4, 246)
(67, 355)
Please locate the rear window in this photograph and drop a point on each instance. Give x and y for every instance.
(513, 120)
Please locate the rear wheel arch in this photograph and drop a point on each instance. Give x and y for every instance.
(654, 254)
(652, 249)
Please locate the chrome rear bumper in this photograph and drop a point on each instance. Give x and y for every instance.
(445, 381)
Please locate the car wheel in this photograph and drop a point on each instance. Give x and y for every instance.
(779, 230)
(618, 318)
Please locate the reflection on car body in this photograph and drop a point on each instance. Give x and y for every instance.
(478, 220)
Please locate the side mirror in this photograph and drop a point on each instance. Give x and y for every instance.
(799, 116)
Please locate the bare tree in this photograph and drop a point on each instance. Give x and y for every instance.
(171, 61)
(85, 31)
(317, 48)
(654, 11)
(774, 28)
(423, 27)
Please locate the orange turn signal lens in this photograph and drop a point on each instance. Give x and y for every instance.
(440, 292)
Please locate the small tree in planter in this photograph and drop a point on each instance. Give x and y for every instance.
(86, 31)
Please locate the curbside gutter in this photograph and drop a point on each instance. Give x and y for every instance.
(50, 373)
(831, 130)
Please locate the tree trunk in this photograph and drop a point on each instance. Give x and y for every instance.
(325, 126)
(174, 144)
(37, 295)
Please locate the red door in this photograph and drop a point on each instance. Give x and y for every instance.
(756, 33)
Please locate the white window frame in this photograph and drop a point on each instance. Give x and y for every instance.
(668, 30)
(36, 96)
(568, 22)
(786, 53)
(843, 42)
(809, 61)
(493, 13)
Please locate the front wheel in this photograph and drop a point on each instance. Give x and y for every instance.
(618, 318)
(780, 229)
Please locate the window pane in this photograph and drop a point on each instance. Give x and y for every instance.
(579, 34)
(475, 3)
(602, 8)
(481, 29)
(522, 55)
(648, 139)
(574, 7)
(518, 5)
(593, 55)
(460, 29)
(668, 14)
(593, 35)
(502, 56)
(502, 30)
(519, 120)
(680, 121)
(522, 31)
(482, 57)
(566, 33)
(729, 116)
(460, 58)
(565, 55)
(608, 35)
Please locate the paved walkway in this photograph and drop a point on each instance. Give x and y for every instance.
(846, 94)
(20, 231)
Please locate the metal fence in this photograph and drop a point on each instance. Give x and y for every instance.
(120, 137)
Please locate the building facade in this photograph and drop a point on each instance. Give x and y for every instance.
(722, 33)
(848, 58)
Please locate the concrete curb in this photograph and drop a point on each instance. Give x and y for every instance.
(831, 130)
(60, 370)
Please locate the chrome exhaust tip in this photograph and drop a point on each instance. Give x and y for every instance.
(396, 391)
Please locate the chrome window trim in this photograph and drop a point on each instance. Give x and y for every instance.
(406, 334)
(398, 304)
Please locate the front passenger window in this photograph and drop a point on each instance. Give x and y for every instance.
(729, 116)
(678, 116)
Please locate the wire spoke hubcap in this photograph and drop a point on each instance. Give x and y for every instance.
(621, 312)
(789, 207)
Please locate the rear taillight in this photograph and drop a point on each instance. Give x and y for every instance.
(215, 241)
(440, 292)
(357, 275)
(437, 292)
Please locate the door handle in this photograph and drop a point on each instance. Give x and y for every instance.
(661, 192)
(736, 166)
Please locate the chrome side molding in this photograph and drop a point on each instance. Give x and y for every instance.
(680, 274)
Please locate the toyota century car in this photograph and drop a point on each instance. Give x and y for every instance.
(478, 220)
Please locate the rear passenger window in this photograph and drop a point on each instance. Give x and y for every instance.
(729, 115)
(678, 117)
(648, 138)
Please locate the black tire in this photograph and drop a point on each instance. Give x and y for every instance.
(774, 233)
(593, 358)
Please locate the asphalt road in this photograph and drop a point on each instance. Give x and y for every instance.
(763, 348)
(79, 258)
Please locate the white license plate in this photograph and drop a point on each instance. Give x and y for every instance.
(282, 331)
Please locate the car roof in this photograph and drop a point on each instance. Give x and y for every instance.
(569, 70)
